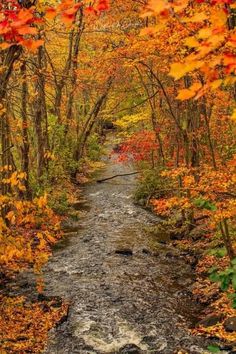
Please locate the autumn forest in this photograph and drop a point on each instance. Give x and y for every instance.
(118, 176)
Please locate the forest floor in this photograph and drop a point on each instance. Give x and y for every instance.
(125, 293)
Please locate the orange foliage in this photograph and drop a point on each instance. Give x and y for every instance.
(24, 326)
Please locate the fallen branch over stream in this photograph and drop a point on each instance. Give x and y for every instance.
(119, 175)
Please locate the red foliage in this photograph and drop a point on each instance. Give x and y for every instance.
(103, 5)
(139, 147)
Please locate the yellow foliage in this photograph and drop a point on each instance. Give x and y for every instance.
(130, 121)
(234, 115)
(178, 70)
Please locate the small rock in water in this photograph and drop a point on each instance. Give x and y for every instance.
(124, 252)
(87, 239)
(149, 339)
(146, 251)
(156, 254)
(227, 347)
(230, 324)
(130, 348)
(171, 255)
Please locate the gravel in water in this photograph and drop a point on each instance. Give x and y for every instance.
(125, 294)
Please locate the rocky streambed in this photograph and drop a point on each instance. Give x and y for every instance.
(126, 293)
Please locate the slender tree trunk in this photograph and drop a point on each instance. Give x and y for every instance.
(74, 67)
(91, 121)
(40, 112)
(155, 125)
(208, 133)
(25, 146)
(60, 84)
(71, 61)
(226, 238)
(8, 59)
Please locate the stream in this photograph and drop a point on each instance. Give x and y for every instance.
(127, 293)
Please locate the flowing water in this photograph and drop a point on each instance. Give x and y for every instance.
(126, 294)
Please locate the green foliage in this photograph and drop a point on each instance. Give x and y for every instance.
(94, 148)
(218, 252)
(64, 163)
(213, 348)
(59, 163)
(151, 184)
(232, 297)
(226, 278)
(204, 204)
(59, 203)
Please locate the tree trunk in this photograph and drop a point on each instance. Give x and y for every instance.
(40, 112)
(25, 137)
(74, 67)
(8, 59)
(91, 121)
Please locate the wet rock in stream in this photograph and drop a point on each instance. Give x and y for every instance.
(125, 295)
(130, 348)
(124, 252)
